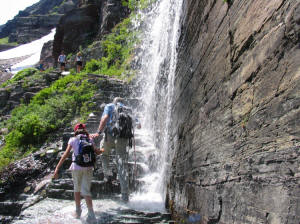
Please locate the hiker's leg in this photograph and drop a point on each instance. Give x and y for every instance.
(108, 144)
(77, 179)
(86, 191)
(86, 186)
(122, 166)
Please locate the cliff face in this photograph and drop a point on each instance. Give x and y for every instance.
(236, 112)
(81, 25)
(36, 21)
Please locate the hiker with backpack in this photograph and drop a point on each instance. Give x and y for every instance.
(117, 125)
(83, 159)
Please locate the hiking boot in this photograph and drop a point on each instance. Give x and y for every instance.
(91, 219)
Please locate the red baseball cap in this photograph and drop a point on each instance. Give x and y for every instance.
(79, 126)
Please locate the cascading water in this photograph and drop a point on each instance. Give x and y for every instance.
(157, 60)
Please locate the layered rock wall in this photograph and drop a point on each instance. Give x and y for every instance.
(236, 112)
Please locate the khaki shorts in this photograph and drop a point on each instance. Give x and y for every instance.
(82, 180)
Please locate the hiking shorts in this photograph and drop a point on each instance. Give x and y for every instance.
(79, 63)
(62, 64)
(82, 180)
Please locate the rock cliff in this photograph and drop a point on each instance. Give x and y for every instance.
(236, 112)
(81, 26)
(36, 21)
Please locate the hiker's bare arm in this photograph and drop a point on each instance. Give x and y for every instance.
(61, 161)
(103, 122)
(101, 126)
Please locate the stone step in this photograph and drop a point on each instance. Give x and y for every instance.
(59, 194)
(8, 208)
(132, 216)
(63, 188)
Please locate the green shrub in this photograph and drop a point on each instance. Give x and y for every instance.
(5, 41)
(137, 4)
(92, 65)
(49, 110)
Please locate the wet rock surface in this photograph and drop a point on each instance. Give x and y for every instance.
(107, 211)
(236, 113)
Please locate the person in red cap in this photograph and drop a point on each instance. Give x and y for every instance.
(82, 172)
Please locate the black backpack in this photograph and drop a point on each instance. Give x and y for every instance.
(86, 155)
(122, 126)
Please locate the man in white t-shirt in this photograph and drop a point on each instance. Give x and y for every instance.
(62, 60)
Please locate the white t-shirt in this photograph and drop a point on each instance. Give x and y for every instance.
(78, 58)
(62, 58)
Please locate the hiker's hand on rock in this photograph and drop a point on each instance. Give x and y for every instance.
(95, 135)
(99, 151)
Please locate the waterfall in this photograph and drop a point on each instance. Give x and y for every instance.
(157, 60)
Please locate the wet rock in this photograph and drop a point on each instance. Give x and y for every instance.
(10, 208)
(236, 112)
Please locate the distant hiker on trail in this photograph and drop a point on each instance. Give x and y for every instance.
(62, 60)
(78, 62)
(41, 67)
(83, 160)
(117, 125)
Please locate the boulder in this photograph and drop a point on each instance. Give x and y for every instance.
(74, 29)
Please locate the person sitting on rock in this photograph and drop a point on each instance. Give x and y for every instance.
(81, 167)
(78, 62)
(62, 60)
(119, 141)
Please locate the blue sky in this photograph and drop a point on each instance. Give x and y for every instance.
(10, 8)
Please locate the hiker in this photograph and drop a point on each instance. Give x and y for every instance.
(81, 167)
(78, 62)
(62, 60)
(41, 66)
(118, 140)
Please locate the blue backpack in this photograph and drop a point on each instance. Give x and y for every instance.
(86, 155)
